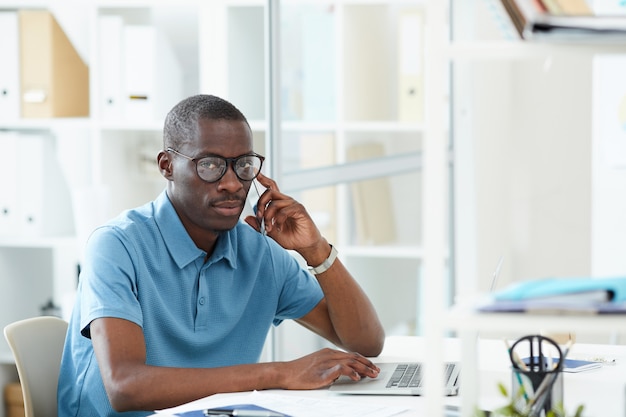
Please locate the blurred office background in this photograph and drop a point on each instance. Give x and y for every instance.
(426, 140)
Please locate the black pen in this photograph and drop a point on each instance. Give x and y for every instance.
(241, 413)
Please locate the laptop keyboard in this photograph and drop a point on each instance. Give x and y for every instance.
(410, 375)
(406, 375)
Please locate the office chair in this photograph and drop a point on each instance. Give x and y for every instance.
(37, 345)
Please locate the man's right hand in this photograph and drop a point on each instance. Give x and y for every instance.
(322, 368)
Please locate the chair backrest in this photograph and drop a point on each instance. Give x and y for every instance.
(37, 346)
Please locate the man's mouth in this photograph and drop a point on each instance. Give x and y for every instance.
(229, 207)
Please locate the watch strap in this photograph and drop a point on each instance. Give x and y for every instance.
(328, 262)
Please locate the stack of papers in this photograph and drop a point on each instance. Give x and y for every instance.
(565, 20)
(578, 294)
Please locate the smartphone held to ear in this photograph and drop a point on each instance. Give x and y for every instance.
(250, 208)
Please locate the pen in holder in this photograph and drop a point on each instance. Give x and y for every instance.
(529, 393)
(537, 381)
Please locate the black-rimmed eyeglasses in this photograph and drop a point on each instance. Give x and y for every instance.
(212, 168)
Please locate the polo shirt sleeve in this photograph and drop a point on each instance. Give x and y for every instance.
(300, 291)
(108, 279)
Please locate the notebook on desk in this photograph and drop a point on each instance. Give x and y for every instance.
(398, 379)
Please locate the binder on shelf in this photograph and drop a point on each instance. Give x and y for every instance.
(54, 79)
(10, 67)
(44, 201)
(318, 150)
(8, 196)
(152, 74)
(410, 66)
(111, 45)
(372, 201)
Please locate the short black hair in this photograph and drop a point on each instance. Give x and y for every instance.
(181, 123)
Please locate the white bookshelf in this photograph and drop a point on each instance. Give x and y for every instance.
(524, 140)
(346, 92)
(523, 120)
(342, 91)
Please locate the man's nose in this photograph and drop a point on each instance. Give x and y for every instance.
(230, 180)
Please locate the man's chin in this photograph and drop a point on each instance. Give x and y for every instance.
(225, 226)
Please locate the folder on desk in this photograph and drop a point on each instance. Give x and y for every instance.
(10, 67)
(54, 79)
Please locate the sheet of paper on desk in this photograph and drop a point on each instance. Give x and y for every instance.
(572, 365)
(217, 412)
(291, 405)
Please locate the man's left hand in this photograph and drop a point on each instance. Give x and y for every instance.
(286, 220)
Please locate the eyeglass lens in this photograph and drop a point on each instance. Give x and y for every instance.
(212, 168)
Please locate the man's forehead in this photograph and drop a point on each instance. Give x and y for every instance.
(223, 142)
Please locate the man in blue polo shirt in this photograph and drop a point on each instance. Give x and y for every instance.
(176, 297)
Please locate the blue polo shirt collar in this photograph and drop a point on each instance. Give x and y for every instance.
(178, 242)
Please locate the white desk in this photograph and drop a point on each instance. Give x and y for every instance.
(602, 391)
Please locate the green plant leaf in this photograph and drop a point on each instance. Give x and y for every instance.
(502, 389)
(510, 409)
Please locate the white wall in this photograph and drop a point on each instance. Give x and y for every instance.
(527, 186)
(608, 232)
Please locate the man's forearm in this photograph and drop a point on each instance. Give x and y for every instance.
(351, 312)
(152, 388)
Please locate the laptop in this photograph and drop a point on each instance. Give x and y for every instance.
(405, 378)
(398, 379)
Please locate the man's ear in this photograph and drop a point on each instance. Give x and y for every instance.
(165, 164)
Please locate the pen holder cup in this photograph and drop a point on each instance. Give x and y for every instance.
(529, 390)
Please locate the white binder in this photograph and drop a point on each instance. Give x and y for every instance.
(410, 63)
(110, 50)
(10, 67)
(8, 196)
(152, 74)
(44, 201)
